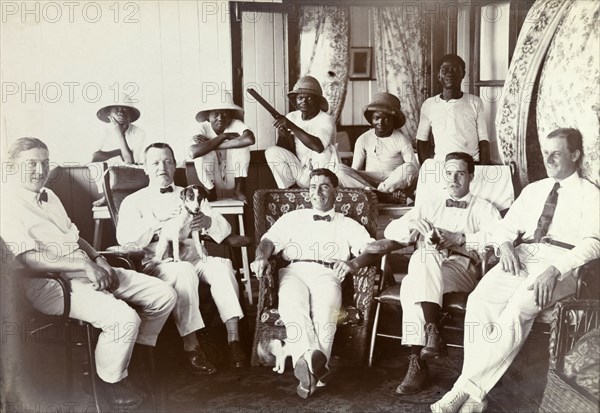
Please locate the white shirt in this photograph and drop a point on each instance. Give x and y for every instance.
(236, 126)
(375, 154)
(30, 225)
(458, 125)
(137, 223)
(475, 221)
(134, 136)
(323, 127)
(299, 236)
(576, 219)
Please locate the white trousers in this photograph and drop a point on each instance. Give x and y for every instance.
(399, 178)
(500, 313)
(185, 276)
(220, 168)
(121, 325)
(310, 296)
(288, 170)
(430, 276)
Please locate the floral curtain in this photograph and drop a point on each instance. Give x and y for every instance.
(324, 51)
(552, 82)
(402, 60)
(569, 91)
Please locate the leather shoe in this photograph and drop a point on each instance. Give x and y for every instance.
(416, 376)
(435, 347)
(317, 363)
(119, 394)
(308, 381)
(198, 363)
(237, 357)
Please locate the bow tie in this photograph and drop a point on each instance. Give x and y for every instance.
(322, 218)
(451, 203)
(43, 197)
(167, 189)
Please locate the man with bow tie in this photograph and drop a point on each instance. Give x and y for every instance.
(141, 217)
(557, 219)
(130, 308)
(450, 234)
(318, 243)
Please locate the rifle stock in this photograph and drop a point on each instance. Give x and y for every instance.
(264, 103)
(283, 141)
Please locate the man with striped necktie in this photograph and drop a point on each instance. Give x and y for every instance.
(558, 220)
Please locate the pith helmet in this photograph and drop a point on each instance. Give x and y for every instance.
(386, 103)
(310, 85)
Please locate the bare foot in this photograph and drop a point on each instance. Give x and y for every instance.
(240, 196)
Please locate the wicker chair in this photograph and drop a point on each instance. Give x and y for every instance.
(350, 343)
(571, 319)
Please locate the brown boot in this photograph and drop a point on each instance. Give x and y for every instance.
(416, 376)
(435, 347)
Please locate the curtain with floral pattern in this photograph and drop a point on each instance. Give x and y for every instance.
(402, 60)
(324, 53)
(552, 82)
(569, 91)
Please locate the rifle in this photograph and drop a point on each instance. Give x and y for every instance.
(283, 141)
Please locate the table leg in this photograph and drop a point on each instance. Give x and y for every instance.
(97, 234)
(245, 264)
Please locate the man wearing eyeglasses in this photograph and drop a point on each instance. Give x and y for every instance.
(304, 137)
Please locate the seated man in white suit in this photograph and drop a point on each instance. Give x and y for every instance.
(560, 227)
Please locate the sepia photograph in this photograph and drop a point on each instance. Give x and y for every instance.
(300, 206)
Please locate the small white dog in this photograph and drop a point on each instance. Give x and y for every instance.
(177, 229)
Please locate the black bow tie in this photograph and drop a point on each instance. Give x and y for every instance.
(322, 218)
(167, 189)
(451, 203)
(43, 197)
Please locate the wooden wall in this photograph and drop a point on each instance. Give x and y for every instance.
(359, 92)
(56, 73)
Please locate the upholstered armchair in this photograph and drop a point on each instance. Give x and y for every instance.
(350, 343)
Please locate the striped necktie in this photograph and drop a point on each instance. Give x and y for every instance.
(547, 214)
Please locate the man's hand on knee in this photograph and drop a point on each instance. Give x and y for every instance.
(509, 258)
(543, 287)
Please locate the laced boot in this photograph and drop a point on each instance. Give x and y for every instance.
(416, 376)
(435, 347)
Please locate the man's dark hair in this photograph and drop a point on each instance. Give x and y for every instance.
(573, 137)
(23, 145)
(452, 58)
(326, 172)
(461, 156)
(159, 145)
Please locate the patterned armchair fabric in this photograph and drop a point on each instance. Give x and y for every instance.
(572, 384)
(357, 290)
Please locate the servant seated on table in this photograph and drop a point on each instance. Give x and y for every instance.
(142, 216)
(310, 292)
(221, 149)
(304, 137)
(452, 232)
(129, 308)
(121, 142)
(384, 158)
